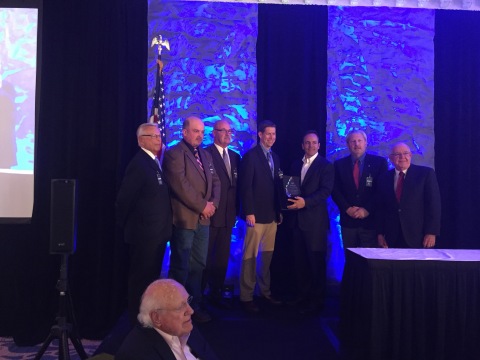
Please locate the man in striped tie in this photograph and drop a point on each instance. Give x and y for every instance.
(260, 189)
(195, 195)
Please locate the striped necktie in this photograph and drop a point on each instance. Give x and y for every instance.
(197, 157)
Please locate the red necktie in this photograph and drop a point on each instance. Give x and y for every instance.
(398, 190)
(356, 173)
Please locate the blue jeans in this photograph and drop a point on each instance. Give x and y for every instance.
(189, 249)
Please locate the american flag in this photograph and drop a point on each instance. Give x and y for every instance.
(157, 113)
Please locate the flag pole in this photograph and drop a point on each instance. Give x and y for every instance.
(157, 113)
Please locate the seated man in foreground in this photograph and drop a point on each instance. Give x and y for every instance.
(166, 330)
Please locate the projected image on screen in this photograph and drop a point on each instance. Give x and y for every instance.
(18, 72)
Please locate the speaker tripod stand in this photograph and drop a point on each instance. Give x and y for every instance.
(62, 329)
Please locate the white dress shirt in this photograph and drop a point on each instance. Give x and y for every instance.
(306, 165)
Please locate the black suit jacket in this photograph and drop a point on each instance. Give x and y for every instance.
(147, 344)
(315, 189)
(345, 193)
(259, 192)
(143, 206)
(227, 207)
(418, 212)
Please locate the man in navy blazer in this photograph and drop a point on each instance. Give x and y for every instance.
(409, 210)
(165, 330)
(195, 196)
(260, 187)
(311, 223)
(356, 180)
(144, 212)
(226, 163)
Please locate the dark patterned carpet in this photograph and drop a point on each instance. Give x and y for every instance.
(10, 351)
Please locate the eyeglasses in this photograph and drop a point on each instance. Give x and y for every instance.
(182, 307)
(153, 136)
(225, 131)
(404, 154)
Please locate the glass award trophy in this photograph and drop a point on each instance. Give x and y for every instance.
(291, 186)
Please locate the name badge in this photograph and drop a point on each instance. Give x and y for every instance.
(211, 168)
(369, 181)
(159, 178)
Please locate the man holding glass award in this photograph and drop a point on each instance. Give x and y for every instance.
(308, 190)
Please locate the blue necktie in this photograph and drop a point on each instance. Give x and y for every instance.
(270, 162)
(158, 163)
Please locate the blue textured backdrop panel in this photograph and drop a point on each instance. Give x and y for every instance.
(209, 71)
(380, 80)
(380, 65)
(211, 68)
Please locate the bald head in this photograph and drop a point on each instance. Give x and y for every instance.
(165, 306)
(193, 131)
(222, 133)
(401, 156)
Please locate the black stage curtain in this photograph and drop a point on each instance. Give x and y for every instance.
(457, 125)
(93, 98)
(292, 74)
(292, 77)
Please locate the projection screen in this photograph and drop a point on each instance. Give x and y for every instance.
(19, 82)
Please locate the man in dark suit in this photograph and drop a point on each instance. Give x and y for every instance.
(143, 210)
(165, 331)
(356, 180)
(409, 211)
(260, 187)
(195, 196)
(311, 224)
(226, 163)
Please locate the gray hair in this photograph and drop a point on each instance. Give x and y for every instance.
(156, 296)
(144, 126)
(353, 132)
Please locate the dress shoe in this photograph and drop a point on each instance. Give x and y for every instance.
(270, 300)
(201, 316)
(250, 307)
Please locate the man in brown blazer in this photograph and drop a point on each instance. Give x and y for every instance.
(195, 195)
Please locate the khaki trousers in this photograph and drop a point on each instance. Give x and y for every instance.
(258, 245)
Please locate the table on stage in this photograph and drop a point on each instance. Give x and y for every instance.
(401, 304)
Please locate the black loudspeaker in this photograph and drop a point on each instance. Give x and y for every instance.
(63, 216)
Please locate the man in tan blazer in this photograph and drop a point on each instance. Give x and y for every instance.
(195, 195)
